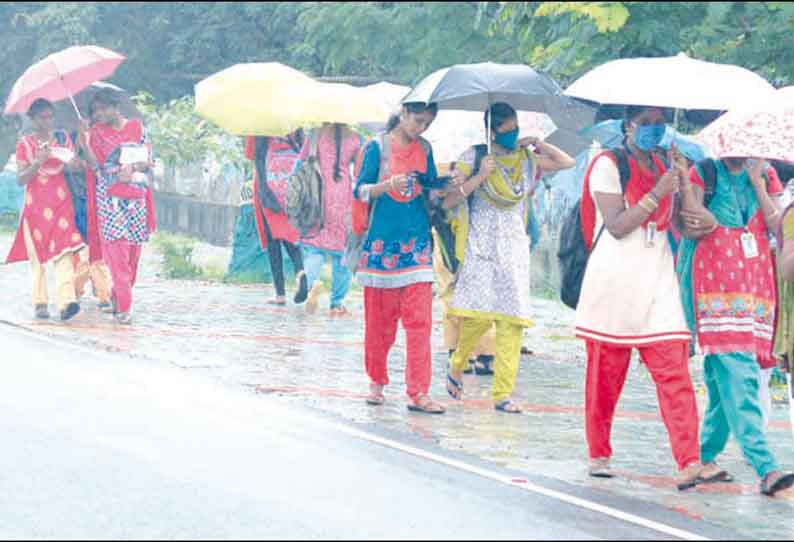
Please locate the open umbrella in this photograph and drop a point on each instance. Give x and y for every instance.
(61, 75)
(475, 87)
(678, 82)
(66, 116)
(260, 99)
(764, 129)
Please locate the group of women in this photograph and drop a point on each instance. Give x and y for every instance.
(86, 208)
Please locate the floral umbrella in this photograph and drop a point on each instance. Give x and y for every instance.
(764, 130)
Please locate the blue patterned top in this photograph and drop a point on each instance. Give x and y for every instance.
(398, 250)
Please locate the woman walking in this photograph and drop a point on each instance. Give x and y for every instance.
(337, 148)
(47, 230)
(395, 267)
(124, 204)
(728, 289)
(275, 160)
(492, 201)
(630, 294)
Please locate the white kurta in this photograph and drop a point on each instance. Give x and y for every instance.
(630, 294)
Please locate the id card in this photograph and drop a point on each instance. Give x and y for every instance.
(749, 245)
(134, 154)
(650, 234)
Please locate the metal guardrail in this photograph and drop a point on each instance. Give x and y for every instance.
(210, 222)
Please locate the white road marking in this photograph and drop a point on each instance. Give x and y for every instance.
(453, 463)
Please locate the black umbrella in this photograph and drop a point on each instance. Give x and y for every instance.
(475, 87)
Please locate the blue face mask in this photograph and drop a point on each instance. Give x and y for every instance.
(648, 136)
(508, 140)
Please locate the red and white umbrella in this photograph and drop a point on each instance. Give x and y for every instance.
(61, 75)
(763, 129)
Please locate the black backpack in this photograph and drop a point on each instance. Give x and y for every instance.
(573, 254)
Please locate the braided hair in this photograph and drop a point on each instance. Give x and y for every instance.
(338, 145)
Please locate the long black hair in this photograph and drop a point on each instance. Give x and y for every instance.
(411, 107)
(338, 146)
(261, 145)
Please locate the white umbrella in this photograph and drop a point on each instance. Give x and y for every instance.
(678, 82)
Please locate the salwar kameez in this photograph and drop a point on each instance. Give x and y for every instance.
(730, 300)
(629, 300)
(492, 288)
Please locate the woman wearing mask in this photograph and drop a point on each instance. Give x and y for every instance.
(395, 268)
(337, 148)
(492, 203)
(630, 294)
(275, 160)
(728, 288)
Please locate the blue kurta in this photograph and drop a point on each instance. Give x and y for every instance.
(398, 249)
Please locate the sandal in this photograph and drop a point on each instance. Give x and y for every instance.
(716, 475)
(781, 483)
(375, 397)
(455, 385)
(507, 405)
(483, 365)
(279, 301)
(423, 403)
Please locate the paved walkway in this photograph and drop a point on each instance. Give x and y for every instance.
(229, 333)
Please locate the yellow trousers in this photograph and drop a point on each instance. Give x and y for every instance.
(451, 324)
(508, 352)
(97, 272)
(64, 275)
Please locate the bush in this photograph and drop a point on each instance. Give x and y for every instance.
(177, 253)
(9, 222)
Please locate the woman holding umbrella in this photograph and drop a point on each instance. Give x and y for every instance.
(492, 198)
(47, 230)
(630, 294)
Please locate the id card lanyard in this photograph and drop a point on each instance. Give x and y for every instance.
(748, 240)
(651, 228)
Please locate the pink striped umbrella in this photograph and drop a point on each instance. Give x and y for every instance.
(61, 75)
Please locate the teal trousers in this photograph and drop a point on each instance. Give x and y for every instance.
(734, 408)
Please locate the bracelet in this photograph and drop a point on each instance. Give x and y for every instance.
(653, 197)
(648, 203)
(391, 182)
(773, 215)
(462, 191)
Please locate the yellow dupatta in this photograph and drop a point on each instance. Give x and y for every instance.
(504, 188)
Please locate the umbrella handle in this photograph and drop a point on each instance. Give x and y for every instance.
(71, 99)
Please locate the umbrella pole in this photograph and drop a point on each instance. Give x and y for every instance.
(790, 398)
(488, 132)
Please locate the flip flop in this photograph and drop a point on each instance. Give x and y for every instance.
(456, 385)
(424, 404)
(783, 483)
(375, 400)
(503, 406)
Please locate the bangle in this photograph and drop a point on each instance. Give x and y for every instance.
(651, 195)
(462, 191)
(773, 215)
(391, 182)
(648, 203)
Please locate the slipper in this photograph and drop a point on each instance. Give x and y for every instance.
(508, 406)
(782, 483)
(456, 385)
(276, 302)
(375, 399)
(719, 476)
(423, 403)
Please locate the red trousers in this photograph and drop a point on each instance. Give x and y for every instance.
(668, 364)
(122, 258)
(384, 308)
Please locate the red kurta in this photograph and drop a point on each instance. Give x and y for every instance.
(48, 208)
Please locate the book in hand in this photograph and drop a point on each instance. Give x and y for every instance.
(134, 154)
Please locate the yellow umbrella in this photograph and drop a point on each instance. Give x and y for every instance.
(271, 99)
(267, 99)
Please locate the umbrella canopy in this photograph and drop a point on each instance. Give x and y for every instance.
(271, 99)
(62, 75)
(609, 133)
(475, 87)
(388, 93)
(66, 116)
(265, 99)
(761, 130)
(678, 82)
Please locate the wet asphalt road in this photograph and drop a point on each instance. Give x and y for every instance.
(101, 445)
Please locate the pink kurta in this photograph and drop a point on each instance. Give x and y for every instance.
(337, 194)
